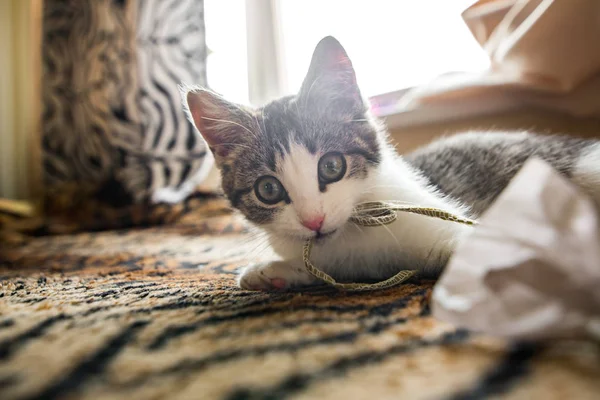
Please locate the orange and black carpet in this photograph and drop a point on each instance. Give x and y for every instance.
(153, 313)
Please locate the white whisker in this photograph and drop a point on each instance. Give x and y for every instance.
(310, 89)
(358, 227)
(262, 114)
(257, 126)
(391, 233)
(228, 122)
(236, 145)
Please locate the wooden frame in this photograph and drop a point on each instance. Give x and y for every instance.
(20, 99)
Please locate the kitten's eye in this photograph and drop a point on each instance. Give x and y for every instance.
(269, 190)
(332, 167)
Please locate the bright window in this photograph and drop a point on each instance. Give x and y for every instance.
(227, 67)
(394, 44)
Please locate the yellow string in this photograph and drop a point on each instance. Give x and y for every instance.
(377, 213)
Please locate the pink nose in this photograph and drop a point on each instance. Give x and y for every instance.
(315, 223)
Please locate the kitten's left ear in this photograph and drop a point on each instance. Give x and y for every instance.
(223, 125)
(331, 79)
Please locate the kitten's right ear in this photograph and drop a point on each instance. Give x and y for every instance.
(331, 80)
(223, 124)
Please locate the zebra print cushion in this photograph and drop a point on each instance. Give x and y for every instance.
(114, 130)
(156, 314)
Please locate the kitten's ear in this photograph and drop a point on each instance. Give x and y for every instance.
(331, 78)
(223, 124)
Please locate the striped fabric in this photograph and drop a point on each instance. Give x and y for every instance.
(155, 313)
(113, 127)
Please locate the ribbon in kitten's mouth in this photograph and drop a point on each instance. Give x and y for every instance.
(377, 214)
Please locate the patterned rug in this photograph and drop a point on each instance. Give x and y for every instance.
(155, 313)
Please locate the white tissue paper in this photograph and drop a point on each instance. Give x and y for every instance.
(531, 268)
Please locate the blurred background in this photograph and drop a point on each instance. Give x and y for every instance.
(91, 124)
(259, 50)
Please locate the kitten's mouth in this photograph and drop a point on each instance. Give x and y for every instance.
(321, 237)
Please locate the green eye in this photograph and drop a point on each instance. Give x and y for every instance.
(332, 167)
(269, 190)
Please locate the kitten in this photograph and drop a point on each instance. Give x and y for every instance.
(298, 166)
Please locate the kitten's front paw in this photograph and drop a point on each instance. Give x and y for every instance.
(277, 275)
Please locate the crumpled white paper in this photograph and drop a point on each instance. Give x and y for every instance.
(531, 269)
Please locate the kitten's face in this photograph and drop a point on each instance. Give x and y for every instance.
(299, 165)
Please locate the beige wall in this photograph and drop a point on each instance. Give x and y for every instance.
(408, 138)
(20, 29)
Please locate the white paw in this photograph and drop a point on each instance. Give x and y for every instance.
(277, 275)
